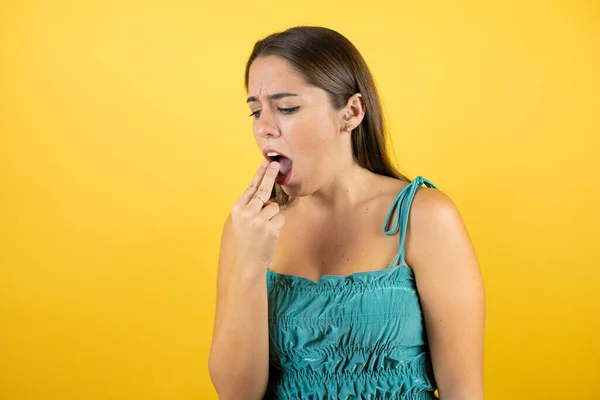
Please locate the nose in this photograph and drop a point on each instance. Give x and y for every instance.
(266, 124)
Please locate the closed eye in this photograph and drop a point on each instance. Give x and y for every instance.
(256, 114)
(288, 110)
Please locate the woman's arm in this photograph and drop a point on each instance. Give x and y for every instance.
(451, 291)
(239, 354)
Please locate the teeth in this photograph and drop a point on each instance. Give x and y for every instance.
(273, 154)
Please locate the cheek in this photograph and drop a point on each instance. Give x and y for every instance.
(313, 144)
(311, 135)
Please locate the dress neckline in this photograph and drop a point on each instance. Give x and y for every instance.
(361, 275)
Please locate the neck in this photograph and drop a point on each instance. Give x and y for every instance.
(347, 188)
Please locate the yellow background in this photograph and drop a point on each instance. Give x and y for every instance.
(124, 141)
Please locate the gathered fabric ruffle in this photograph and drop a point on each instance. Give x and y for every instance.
(355, 337)
(408, 379)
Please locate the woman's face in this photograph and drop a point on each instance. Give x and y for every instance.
(296, 120)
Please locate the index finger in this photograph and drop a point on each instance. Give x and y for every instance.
(265, 188)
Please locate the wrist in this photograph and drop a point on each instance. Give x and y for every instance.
(252, 273)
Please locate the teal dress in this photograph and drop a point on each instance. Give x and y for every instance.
(360, 336)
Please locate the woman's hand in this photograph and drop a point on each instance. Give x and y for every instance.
(257, 223)
(239, 357)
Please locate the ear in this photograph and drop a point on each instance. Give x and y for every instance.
(353, 113)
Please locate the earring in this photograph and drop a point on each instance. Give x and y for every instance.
(348, 129)
(346, 117)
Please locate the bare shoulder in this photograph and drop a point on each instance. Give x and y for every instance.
(436, 232)
(425, 198)
(433, 206)
(433, 211)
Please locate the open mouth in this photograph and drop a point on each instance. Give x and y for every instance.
(285, 166)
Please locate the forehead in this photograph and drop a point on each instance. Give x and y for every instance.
(273, 74)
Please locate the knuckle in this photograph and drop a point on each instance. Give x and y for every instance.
(276, 233)
(276, 222)
(275, 230)
(257, 223)
(281, 221)
(246, 214)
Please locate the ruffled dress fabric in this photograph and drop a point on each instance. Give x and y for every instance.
(360, 336)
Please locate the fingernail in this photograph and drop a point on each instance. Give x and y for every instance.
(274, 164)
(264, 165)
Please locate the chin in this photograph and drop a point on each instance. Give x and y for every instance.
(292, 190)
(296, 187)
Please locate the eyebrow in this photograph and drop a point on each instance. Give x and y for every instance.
(275, 96)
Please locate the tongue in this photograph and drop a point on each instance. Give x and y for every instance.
(285, 165)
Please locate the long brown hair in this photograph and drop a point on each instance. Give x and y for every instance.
(328, 60)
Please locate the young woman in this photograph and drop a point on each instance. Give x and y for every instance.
(339, 278)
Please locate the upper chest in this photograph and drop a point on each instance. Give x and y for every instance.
(335, 245)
